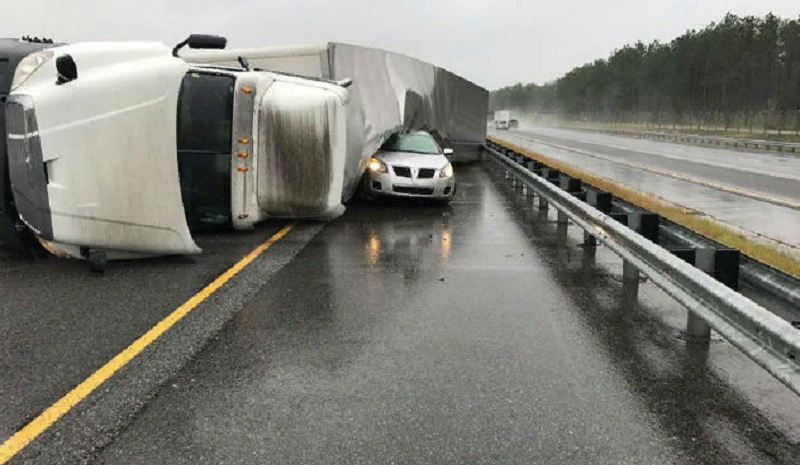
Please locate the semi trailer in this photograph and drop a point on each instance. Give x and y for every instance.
(391, 93)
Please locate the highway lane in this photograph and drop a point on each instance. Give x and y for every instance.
(60, 322)
(770, 173)
(482, 333)
(763, 220)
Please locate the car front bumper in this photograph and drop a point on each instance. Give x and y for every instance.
(391, 184)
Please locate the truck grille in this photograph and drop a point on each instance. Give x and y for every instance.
(26, 168)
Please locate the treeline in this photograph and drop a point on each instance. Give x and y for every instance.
(743, 72)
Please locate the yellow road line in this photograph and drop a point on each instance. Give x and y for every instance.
(36, 427)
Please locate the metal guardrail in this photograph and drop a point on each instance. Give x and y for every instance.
(706, 140)
(758, 275)
(767, 339)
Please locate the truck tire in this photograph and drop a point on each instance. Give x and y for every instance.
(97, 261)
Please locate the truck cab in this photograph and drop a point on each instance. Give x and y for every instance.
(125, 149)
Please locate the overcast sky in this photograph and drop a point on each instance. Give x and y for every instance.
(493, 43)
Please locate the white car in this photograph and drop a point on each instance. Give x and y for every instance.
(411, 165)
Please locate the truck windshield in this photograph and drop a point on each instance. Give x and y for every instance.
(205, 113)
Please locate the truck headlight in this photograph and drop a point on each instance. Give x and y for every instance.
(376, 166)
(28, 66)
(447, 171)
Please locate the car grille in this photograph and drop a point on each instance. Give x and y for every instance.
(403, 171)
(413, 190)
(426, 173)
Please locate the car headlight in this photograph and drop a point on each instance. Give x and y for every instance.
(28, 66)
(376, 166)
(447, 171)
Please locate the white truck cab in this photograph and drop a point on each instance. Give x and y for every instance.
(116, 150)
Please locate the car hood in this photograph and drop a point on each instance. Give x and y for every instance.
(413, 160)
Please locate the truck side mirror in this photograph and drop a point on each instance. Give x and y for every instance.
(204, 41)
(67, 69)
(448, 151)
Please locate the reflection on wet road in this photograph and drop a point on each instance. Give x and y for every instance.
(481, 333)
(770, 220)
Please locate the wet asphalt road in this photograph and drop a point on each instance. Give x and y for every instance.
(770, 173)
(60, 323)
(759, 217)
(482, 333)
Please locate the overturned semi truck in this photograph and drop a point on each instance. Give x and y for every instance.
(118, 150)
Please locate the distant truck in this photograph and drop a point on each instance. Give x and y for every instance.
(502, 119)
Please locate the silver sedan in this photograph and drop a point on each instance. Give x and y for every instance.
(411, 165)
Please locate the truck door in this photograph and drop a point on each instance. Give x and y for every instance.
(205, 115)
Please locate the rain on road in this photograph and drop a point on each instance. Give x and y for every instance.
(481, 333)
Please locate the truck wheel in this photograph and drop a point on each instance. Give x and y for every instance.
(97, 261)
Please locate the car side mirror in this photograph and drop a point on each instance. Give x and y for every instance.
(67, 69)
(448, 151)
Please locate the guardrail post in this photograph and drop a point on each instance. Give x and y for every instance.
(629, 272)
(645, 223)
(543, 205)
(601, 201)
(570, 184)
(726, 267)
(531, 166)
(696, 327)
(552, 175)
(589, 240)
(723, 265)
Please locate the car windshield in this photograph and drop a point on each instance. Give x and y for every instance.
(415, 143)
